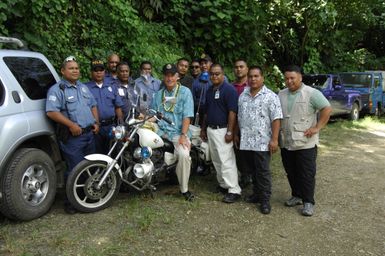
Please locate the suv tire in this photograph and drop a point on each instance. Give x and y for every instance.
(354, 113)
(28, 185)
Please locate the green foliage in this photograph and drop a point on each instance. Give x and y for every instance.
(320, 35)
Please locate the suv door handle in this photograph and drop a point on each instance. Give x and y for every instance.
(16, 96)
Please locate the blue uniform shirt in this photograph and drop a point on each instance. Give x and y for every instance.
(107, 99)
(108, 78)
(148, 88)
(75, 102)
(184, 107)
(219, 103)
(129, 94)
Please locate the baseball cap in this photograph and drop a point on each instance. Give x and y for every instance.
(97, 64)
(205, 57)
(169, 68)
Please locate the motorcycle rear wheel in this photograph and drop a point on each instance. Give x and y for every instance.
(81, 186)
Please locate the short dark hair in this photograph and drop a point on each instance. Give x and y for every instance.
(144, 63)
(181, 59)
(240, 59)
(216, 65)
(195, 60)
(293, 68)
(122, 63)
(256, 67)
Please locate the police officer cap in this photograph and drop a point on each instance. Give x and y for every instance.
(169, 68)
(97, 64)
(205, 57)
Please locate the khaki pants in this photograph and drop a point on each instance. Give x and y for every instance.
(183, 166)
(223, 157)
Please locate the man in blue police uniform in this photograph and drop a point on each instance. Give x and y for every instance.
(176, 103)
(218, 127)
(112, 63)
(127, 88)
(199, 88)
(71, 105)
(146, 84)
(109, 105)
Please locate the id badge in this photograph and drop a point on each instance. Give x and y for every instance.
(121, 92)
(216, 96)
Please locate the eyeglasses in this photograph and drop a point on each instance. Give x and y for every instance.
(215, 74)
(195, 67)
(69, 58)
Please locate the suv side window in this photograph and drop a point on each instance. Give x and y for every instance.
(32, 74)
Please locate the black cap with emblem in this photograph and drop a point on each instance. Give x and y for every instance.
(169, 69)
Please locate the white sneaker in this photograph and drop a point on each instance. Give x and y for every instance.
(308, 209)
(293, 201)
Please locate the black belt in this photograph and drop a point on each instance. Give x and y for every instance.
(217, 126)
(87, 129)
(106, 122)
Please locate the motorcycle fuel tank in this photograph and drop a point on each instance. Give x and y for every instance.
(149, 138)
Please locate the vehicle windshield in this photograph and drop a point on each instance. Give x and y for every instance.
(356, 80)
(317, 81)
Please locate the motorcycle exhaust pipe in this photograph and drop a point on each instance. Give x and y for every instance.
(142, 170)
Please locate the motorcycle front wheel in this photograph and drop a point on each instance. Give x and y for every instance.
(82, 191)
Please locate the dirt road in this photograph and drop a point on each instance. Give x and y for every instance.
(349, 217)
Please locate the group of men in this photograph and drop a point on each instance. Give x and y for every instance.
(244, 122)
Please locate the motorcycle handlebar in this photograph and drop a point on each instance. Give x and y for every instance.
(162, 117)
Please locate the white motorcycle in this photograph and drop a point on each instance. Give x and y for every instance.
(139, 157)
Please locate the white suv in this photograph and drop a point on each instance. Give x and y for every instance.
(30, 162)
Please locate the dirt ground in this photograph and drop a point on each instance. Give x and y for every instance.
(349, 215)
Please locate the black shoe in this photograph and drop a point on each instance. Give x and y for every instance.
(203, 170)
(221, 190)
(188, 196)
(231, 198)
(68, 208)
(253, 199)
(265, 207)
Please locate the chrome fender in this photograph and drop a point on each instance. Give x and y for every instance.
(104, 158)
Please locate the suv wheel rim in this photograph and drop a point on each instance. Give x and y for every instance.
(34, 185)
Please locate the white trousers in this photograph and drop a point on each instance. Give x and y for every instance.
(183, 166)
(223, 157)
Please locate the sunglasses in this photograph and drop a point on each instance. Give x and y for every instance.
(195, 67)
(69, 58)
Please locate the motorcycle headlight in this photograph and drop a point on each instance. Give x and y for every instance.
(146, 152)
(119, 132)
(137, 153)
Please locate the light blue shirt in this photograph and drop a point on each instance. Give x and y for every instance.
(183, 108)
(149, 88)
(75, 102)
(255, 115)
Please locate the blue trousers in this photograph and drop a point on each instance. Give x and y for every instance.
(300, 167)
(102, 139)
(76, 148)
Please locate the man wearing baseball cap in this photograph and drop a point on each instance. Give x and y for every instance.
(109, 104)
(175, 102)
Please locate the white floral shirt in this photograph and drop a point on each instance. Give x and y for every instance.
(255, 115)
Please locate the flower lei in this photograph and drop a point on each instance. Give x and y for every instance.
(171, 105)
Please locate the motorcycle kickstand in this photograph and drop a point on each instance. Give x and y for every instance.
(152, 189)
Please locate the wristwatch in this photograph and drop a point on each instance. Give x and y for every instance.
(183, 134)
(229, 133)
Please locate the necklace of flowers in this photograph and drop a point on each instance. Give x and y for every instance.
(172, 104)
